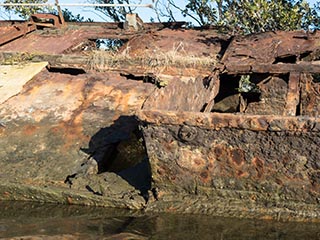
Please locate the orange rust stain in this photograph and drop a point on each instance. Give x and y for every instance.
(97, 91)
(242, 174)
(55, 130)
(237, 156)
(210, 165)
(29, 130)
(259, 166)
(278, 181)
(285, 160)
(172, 209)
(168, 146)
(160, 194)
(198, 161)
(266, 217)
(116, 117)
(161, 171)
(78, 119)
(33, 91)
(72, 134)
(93, 96)
(124, 103)
(253, 197)
(222, 152)
(218, 151)
(69, 200)
(205, 176)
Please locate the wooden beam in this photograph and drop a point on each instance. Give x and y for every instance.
(60, 13)
(293, 94)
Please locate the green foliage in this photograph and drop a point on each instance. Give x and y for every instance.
(116, 14)
(249, 16)
(27, 11)
(24, 12)
(240, 16)
(69, 17)
(203, 9)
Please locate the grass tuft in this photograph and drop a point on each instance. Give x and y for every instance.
(104, 60)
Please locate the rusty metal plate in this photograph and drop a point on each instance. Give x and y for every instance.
(273, 47)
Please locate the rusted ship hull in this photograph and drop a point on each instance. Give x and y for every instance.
(245, 140)
(260, 165)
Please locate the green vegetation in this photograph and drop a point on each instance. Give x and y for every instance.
(116, 14)
(24, 12)
(246, 16)
(240, 16)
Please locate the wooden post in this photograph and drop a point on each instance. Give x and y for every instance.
(60, 14)
(293, 95)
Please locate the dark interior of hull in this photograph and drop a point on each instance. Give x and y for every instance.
(287, 94)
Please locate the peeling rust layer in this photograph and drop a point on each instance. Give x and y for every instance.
(242, 136)
(273, 47)
(8, 33)
(57, 41)
(248, 134)
(181, 88)
(252, 160)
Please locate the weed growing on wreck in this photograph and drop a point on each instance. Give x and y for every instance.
(17, 59)
(156, 61)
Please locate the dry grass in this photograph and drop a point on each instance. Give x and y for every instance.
(104, 60)
(16, 59)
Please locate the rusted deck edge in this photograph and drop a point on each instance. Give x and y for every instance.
(217, 121)
(279, 68)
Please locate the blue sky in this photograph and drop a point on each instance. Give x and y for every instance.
(145, 13)
(88, 12)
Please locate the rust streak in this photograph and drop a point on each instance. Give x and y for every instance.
(293, 94)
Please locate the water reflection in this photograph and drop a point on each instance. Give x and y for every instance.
(79, 222)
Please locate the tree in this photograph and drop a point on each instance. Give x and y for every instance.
(116, 14)
(241, 16)
(202, 12)
(245, 16)
(70, 17)
(24, 12)
(249, 16)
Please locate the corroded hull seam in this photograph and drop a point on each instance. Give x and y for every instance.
(234, 165)
(244, 140)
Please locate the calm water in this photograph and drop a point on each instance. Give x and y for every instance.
(78, 222)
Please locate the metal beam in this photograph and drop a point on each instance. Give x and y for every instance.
(16, 31)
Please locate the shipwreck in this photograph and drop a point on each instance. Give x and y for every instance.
(248, 134)
(230, 124)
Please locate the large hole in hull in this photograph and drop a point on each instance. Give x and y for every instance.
(253, 94)
(109, 44)
(286, 59)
